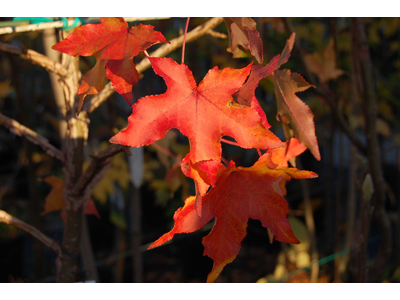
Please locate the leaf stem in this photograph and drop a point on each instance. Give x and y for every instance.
(226, 163)
(229, 142)
(161, 149)
(184, 40)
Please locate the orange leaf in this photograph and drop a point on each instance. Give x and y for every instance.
(114, 45)
(239, 194)
(204, 174)
(281, 156)
(55, 199)
(203, 113)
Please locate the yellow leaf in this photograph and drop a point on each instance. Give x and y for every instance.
(55, 199)
(117, 173)
(5, 88)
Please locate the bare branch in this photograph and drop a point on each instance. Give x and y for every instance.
(32, 136)
(94, 173)
(50, 243)
(36, 58)
(94, 102)
(217, 34)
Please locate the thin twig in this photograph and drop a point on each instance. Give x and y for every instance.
(36, 58)
(184, 40)
(50, 243)
(217, 34)
(91, 104)
(32, 136)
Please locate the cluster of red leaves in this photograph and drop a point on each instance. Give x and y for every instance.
(114, 45)
(205, 113)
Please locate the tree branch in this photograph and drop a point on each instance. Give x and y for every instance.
(50, 243)
(91, 104)
(32, 136)
(36, 58)
(94, 173)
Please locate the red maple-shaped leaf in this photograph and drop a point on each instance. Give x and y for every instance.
(113, 45)
(244, 36)
(205, 173)
(238, 194)
(203, 113)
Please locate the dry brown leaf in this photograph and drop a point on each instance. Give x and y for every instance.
(324, 65)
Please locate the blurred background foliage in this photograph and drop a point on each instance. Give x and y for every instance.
(26, 95)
